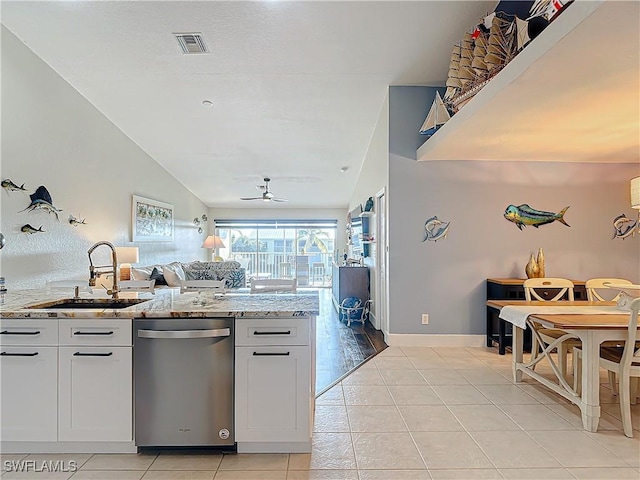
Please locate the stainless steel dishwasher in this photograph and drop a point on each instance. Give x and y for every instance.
(183, 377)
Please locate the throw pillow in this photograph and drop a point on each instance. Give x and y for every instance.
(173, 274)
(158, 277)
(141, 273)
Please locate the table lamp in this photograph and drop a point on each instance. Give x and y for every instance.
(213, 242)
(126, 256)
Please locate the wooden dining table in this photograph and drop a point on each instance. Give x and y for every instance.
(592, 329)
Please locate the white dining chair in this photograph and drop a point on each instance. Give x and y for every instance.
(624, 362)
(273, 285)
(537, 289)
(596, 287)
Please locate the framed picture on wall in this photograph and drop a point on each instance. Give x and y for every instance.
(151, 221)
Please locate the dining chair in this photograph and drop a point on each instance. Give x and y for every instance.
(273, 285)
(596, 286)
(624, 362)
(538, 289)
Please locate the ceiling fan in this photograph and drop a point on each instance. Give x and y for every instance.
(267, 196)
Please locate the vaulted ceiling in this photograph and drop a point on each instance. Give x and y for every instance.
(296, 88)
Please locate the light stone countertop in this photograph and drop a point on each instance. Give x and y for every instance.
(165, 303)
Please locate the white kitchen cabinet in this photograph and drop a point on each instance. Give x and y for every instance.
(95, 399)
(274, 390)
(29, 393)
(96, 380)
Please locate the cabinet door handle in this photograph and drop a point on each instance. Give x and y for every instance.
(8, 354)
(80, 354)
(256, 332)
(93, 333)
(7, 332)
(270, 354)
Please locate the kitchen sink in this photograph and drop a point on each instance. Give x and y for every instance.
(87, 303)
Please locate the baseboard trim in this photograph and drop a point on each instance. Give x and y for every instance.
(420, 340)
(67, 447)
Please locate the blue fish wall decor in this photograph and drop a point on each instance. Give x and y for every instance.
(624, 227)
(435, 229)
(524, 215)
(41, 200)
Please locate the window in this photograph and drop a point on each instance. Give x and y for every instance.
(280, 248)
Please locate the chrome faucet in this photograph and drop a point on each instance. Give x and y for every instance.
(98, 271)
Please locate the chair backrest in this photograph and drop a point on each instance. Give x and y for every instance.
(532, 285)
(593, 284)
(630, 354)
(216, 286)
(272, 285)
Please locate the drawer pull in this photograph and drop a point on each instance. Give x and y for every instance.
(80, 354)
(288, 332)
(8, 354)
(93, 333)
(7, 332)
(270, 354)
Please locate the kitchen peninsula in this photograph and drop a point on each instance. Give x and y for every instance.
(68, 374)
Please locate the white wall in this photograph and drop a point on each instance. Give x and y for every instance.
(373, 177)
(53, 136)
(447, 279)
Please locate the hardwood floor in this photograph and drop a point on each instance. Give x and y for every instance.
(340, 349)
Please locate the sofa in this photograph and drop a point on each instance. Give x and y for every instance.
(172, 274)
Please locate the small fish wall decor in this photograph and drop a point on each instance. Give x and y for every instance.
(41, 200)
(624, 227)
(76, 221)
(524, 215)
(31, 230)
(435, 229)
(9, 186)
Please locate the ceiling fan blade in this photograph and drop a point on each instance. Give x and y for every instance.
(250, 198)
(279, 200)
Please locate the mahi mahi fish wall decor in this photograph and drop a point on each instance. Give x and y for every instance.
(524, 215)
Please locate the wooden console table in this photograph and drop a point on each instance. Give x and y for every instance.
(501, 332)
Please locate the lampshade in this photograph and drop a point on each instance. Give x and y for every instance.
(635, 192)
(127, 254)
(213, 241)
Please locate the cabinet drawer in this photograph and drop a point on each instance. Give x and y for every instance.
(29, 331)
(107, 332)
(272, 331)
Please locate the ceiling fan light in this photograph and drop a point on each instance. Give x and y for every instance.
(266, 199)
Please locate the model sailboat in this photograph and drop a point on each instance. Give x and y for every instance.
(437, 116)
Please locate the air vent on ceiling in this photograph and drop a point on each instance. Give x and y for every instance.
(191, 43)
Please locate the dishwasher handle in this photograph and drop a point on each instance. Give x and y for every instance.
(219, 332)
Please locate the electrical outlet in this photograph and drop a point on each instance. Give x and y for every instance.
(425, 318)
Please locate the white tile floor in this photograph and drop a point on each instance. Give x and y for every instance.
(416, 414)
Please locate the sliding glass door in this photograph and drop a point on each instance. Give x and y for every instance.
(303, 249)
